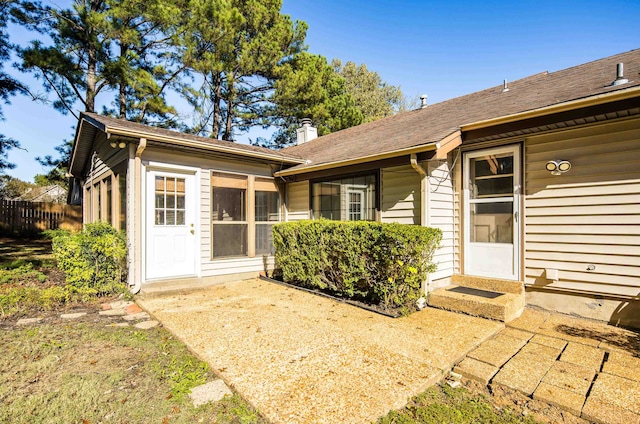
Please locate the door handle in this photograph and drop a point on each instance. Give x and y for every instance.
(192, 231)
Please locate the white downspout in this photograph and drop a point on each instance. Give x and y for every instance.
(425, 215)
(137, 218)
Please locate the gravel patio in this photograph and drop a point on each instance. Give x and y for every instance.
(301, 358)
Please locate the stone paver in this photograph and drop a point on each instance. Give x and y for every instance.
(476, 370)
(586, 356)
(562, 398)
(531, 320)
(209, 392)
(25, 321)
(549, 341)
(524, 372)
(572, 329)
(132, 309)
(136, 317)
(617, 391)
(121, 304)
(570, 377)
(516, 333)
(622, 365)
(112, 312)
(498, 350)
(145, 325)
(541, 350)
(74, 315)
(606, 413)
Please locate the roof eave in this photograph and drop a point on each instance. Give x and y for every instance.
(200, 145)
(370, 158)
(556, 108)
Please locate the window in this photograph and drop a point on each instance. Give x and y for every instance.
(267, 211)
(229, 215)
(122, 191)
(109, 200)
(170, 201)
(346, 199)
(244, 209)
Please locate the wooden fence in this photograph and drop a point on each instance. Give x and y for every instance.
(20, 217)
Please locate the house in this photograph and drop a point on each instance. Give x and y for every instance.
(52, 194)
(535, 184)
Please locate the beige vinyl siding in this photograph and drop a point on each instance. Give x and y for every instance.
(585, 223)
(400, 198)
(457, 216)
(209, 267)
(441, 215)
(297, 201)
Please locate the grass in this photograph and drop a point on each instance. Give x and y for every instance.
(443, 404)
(88, 372)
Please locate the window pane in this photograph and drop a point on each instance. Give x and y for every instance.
(345, 199)
(264, 239)
(179, 217)
(267, 206)
(159, 217)
(171, 200)
(491, 176)
(170, 217)
(109, 200)
(492, 222)
(229, 240)
(180, 204)
(228, 204)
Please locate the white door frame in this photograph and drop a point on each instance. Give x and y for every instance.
(177, 171)
(471, 250)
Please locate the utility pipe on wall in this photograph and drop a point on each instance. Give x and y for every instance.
(137, 217)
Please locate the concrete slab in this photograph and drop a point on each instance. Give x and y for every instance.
(622, 365)
(570, 377)
(562, 398)
(524, 372)
(298, 357)
(604, 413)
(549, 341)
(617, 391)
(530, 320)
(476, 370)
(498, 350)
(586, 356)
(572, 329)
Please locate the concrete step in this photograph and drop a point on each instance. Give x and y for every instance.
(490, 284)
(498, 306)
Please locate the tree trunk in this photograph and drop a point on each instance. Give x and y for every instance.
(228, 130)
(122, 84)
(216, 80)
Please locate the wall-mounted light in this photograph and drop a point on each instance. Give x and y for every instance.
(120, 145)
(558, 167)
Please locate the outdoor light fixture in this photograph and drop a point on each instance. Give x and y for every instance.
(120, 145)
(558, 167)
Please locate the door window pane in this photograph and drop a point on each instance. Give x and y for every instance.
(491, 176)
(492, 222)
(167, 190)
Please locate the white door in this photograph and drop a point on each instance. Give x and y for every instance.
(171, 233)
(492, 213)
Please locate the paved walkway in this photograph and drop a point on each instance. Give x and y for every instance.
(300, 358)
(585, 367)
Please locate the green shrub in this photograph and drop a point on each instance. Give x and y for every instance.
(93, 260)
(381, 263)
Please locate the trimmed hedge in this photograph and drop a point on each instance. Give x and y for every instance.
(380, 263)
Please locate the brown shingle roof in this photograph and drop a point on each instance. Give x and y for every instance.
(436, 121)
(112, 124)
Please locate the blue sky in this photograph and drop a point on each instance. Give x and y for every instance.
(442, 49)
